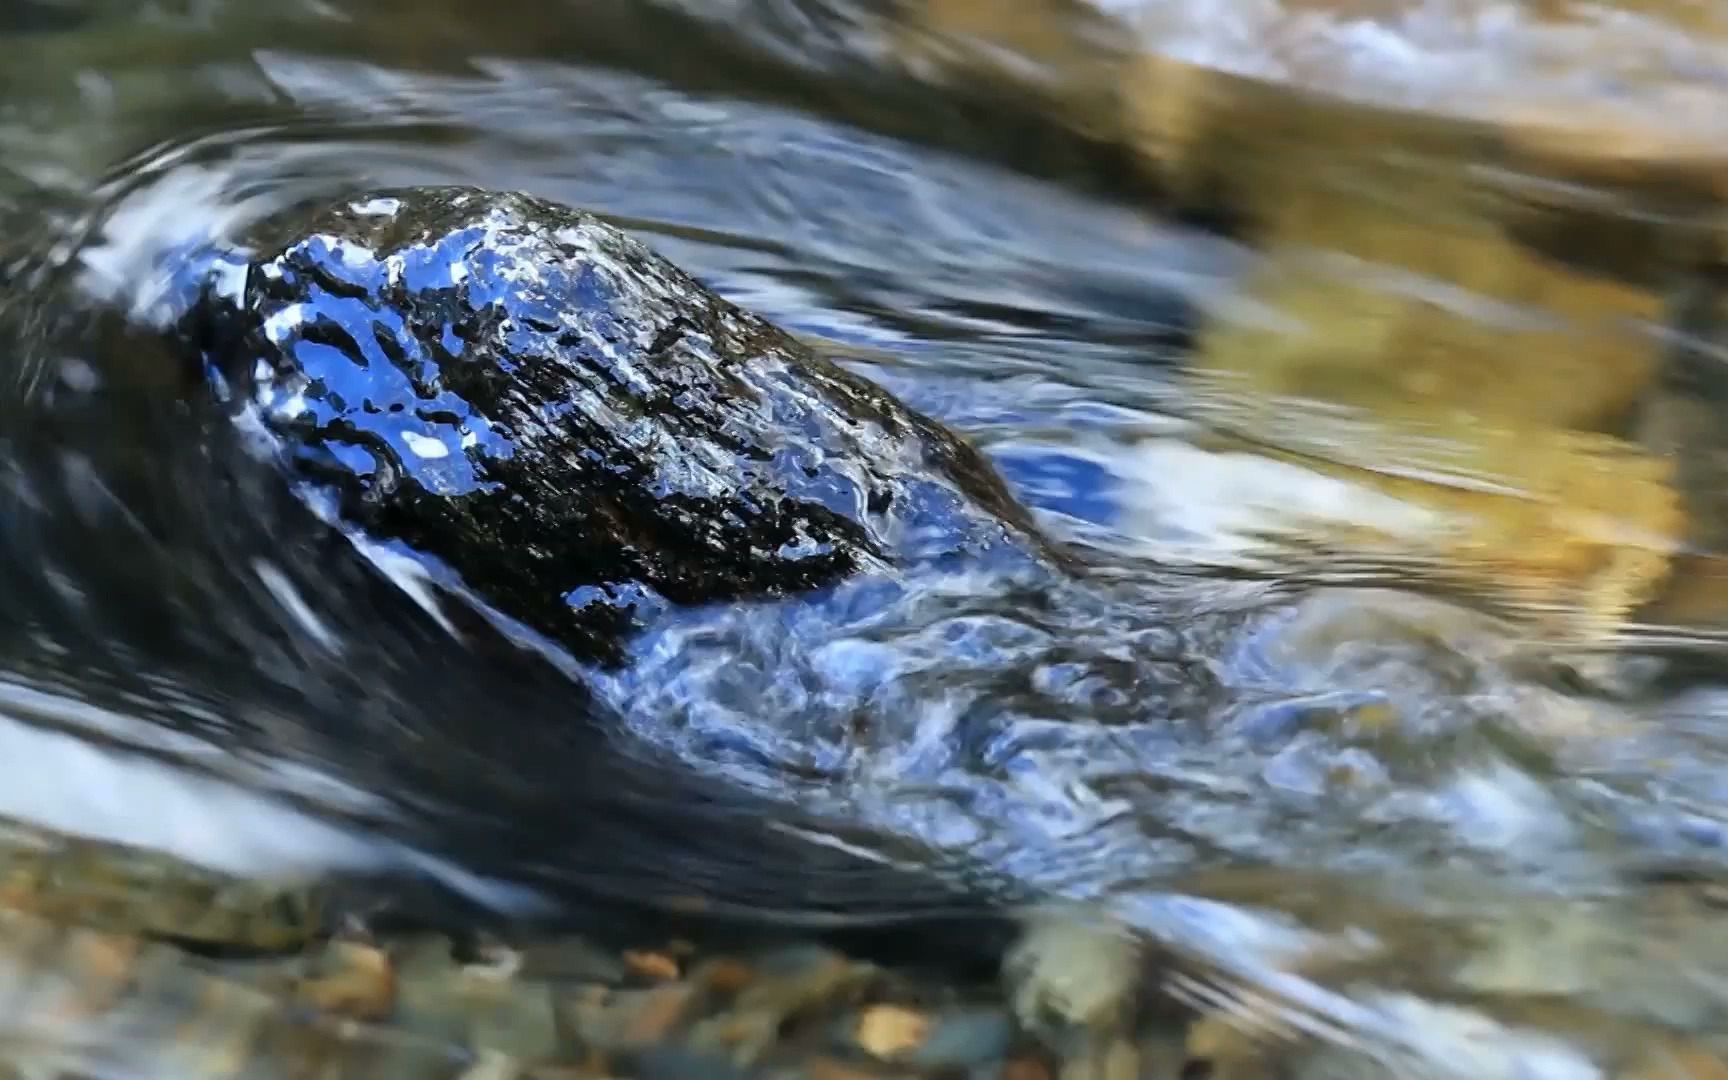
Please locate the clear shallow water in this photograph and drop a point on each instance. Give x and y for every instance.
(1233, 687)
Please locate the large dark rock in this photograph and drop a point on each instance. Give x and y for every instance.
(575, 428)
(169, 598)
(601, 423)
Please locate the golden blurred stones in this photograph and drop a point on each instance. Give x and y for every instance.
(806, 983)
(132, 890)
(657, 966)
(1205, 132)
(1485, 423)
(625, 1019)
(102, 965)
(358, 982)
(1024, 1068)
(1438, 278)
(1053, 55)
(215, 1035)
(657, 1012)
(1230, 1048)
(888, 1031)
(723, 975)
(1666, 144)
(1464, 326)
(1676, 1061)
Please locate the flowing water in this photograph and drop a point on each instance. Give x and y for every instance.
(1405, 634)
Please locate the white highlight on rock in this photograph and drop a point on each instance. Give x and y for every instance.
(379, 207)
(425, 446)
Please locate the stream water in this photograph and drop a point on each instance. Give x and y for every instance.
(1322, 677)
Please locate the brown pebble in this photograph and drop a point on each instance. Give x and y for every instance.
(887, 1031)
(99, 966)
(1678, 1062)
(651, 965)
(724, 976)
(362, 988)
(659, 1012)
(102, 964)
(1230, 1045)
(1024, 1068)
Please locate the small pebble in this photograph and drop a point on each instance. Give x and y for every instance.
(723, 975)
(651, 965)
(662, 1009)
(1024, 1068)
(362, 988)
(1677, 1062)
(761, 1013)
(102, 965)
(890, 1031)
(628, 1017)
(1227, 1050)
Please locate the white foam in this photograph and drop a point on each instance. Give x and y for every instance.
(62, 783)
(425, 446)
(121, 267)
(58, 781)
(379, 207)
(1178, 498)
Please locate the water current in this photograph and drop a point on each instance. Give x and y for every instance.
(1362, 352)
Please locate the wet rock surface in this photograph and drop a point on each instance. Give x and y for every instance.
(575, 429)
(215, 610)
(566, 435)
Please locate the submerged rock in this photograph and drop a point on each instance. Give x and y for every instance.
(532, 401)
(123, 889)
(167, 587)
